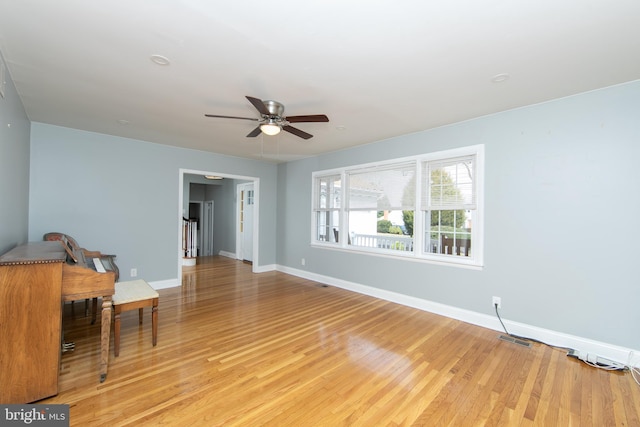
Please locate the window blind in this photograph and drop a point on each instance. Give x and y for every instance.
(389, 187)
(451, 184)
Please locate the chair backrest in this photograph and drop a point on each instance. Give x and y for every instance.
(337, 235)
(60, 236)
(446, 245)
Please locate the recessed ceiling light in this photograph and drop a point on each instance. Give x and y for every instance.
(499, 78)
(213, 177)
(123, 122)
(341, 127)
(160, 60)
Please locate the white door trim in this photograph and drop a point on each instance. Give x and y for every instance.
(240, 188)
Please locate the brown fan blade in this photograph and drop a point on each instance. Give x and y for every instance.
(254, 133)
(258, 104)
(308, 119)
(231, 117)
(297, 132)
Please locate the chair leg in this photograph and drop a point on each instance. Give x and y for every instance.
(154, 322)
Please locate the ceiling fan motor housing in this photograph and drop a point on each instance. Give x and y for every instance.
(274, 108)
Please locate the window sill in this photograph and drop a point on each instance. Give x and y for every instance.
(403, 256)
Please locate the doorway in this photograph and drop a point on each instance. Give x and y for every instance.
(248, 247)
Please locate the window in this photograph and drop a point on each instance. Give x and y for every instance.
(448, 205)
(327, 190)
(377, 198)
(426, 207)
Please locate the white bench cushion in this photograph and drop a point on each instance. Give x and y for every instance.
(134, 290)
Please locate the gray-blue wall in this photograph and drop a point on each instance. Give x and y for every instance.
(561, 217)
(121, 196)
(14, 168)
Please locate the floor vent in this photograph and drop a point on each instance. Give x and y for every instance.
(515, 340)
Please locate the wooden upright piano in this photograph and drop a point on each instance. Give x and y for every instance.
(35, 279)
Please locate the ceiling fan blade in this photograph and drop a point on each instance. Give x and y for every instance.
(258, 104)
(297, 132)
(254, 133)
(307, 119)
(231, 117)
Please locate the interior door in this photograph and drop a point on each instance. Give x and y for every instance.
(246, 221)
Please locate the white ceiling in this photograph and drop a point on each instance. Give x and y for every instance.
(377, 68)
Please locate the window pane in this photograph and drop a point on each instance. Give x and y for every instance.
(385, 188)
(448, 232)
(380, 229)
(327, 206)
(327, 226)
(451, 184)
(328, 192)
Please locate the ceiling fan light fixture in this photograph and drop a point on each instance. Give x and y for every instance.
(270, 128)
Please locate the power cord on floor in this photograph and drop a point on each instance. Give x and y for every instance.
(589, 359)
(527, 338)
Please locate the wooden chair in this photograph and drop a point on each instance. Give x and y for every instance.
(446, 245)
(55, 236)
(132, 295)
(336, 235)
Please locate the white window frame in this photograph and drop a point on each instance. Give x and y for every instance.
(316, 208)
(475, 260)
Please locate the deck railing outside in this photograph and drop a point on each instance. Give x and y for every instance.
(405, 243)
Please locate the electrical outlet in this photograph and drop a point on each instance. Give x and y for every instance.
(303, 262)
(497, 301)
(134, 272)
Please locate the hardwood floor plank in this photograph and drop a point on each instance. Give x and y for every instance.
(237, 349)
(629, 394)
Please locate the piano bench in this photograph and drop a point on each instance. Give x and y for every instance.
(135, 294)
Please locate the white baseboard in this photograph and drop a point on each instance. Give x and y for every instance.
(264, 268)
(164, 284)
(227, 254)
(608, 351)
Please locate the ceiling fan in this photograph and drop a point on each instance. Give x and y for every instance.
(272, 119)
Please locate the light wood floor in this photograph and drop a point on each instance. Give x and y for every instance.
(240, 349)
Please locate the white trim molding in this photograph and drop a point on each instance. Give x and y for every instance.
(164, 284)
(228, 254)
